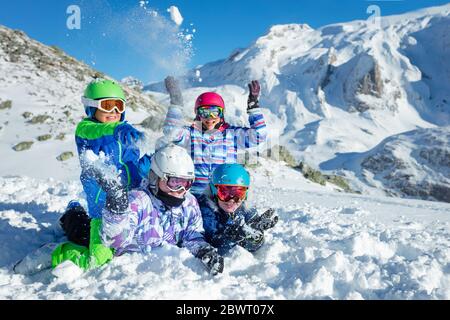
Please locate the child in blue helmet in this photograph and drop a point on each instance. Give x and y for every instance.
(226, 220)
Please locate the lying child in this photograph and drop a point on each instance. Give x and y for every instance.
(226, 220)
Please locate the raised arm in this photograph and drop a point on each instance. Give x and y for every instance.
(257, 133)
(174, 130)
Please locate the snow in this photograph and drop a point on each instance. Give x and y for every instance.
(326, 245)
(175, 15)
(143, 4)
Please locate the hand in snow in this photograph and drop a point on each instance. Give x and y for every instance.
(116, 193)
(211, 259)
(265, 221)
(173, 88)
(251, 235)
(243, 233)
(254, 91)
(234, 232)
(127, 135)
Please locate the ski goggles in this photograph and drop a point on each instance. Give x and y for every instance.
(177, 184)
(226, 193)
(208, 112)
(106, 105)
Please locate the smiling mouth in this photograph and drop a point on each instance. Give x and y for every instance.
(230, 205)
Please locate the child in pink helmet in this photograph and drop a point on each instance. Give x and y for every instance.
(210, 140)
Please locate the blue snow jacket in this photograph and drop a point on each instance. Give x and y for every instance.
(124, 155)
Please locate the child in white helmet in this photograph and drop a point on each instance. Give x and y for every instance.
(162, 211)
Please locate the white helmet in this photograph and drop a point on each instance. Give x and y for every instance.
(172, 161)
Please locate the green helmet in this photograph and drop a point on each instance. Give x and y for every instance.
(100, 89)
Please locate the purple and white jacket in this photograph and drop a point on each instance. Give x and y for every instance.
(149, 223)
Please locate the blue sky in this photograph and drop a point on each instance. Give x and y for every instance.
(111, 37)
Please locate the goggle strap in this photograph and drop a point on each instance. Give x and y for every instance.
(89, 102)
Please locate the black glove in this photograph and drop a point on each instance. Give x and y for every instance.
(76, 225)
(243, 233)
(211, 259)
(116, 193)
(233, 232)
(265, 221)
(173, 87)
(255, 90)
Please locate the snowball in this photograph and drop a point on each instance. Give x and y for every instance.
(175, 15)
(67, 271)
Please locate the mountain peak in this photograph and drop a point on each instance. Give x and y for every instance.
(292, 27)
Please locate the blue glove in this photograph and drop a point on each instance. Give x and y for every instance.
(126, 134)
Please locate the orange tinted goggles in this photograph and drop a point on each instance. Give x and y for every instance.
(106, 105)
(226, 193)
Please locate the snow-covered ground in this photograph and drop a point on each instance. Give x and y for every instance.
(327, 244)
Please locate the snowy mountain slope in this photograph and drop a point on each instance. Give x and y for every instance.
(413, 164)
(326, 245)
(45, 86)
(342, 88)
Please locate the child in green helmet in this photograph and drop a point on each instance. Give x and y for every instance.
(104, 132)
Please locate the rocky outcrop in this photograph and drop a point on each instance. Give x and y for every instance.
(364, 78)
(22, 146)
(415, 164)
(5, 104)
(17, 48)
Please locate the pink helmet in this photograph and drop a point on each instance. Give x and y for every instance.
(209, 99)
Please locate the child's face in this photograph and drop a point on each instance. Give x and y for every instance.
(210, 124)
(105, 117)
(162, 184)
(230, 206)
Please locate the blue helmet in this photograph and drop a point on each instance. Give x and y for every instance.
(229, 174)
